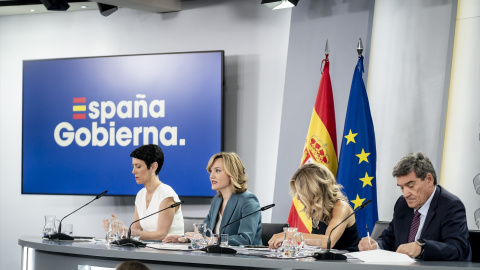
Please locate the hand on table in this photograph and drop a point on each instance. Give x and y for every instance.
(178, 238)
(411, 249)
(276, 241)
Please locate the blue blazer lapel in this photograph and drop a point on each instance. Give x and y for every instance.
(229, 210)
(431, 210)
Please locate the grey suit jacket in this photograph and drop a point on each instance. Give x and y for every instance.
(247, 231)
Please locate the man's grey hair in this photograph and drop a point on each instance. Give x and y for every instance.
(417, 162)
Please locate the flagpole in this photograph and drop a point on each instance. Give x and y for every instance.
(327, 52)
(359, 47)
(326, 57)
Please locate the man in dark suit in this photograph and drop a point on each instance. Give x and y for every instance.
(429, 222)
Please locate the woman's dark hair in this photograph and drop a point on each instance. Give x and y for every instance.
(132, 265)
(149, 153)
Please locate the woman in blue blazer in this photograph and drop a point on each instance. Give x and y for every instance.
(232, 202)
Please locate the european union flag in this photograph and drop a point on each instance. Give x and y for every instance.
(358, 155)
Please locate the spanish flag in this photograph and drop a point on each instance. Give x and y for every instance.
(320, 145)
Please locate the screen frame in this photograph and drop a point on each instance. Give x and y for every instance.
(222, 118)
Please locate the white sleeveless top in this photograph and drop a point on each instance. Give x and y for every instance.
(150, 224)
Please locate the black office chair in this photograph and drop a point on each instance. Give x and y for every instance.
(269, 229)
(379, 227)
(475, 244)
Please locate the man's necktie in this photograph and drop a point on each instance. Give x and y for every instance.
(414, 227)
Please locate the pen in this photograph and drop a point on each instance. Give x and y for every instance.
(368, 235)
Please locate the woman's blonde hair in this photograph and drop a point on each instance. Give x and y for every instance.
(234, 168)
(318, 190)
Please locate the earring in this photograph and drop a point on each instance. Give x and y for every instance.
(153, 173)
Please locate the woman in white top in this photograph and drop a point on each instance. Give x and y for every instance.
(147, 161)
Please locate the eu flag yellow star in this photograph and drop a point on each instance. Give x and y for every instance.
(357, 202)
(367, 180)
(363, 156)
(351, 137)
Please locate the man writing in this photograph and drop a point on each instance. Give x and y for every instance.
(429, 222)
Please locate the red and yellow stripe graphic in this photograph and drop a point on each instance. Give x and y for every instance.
(79, 105)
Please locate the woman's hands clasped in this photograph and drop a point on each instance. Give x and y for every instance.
(178, 239)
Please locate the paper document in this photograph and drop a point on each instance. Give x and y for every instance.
(380, 256)
(258, 249)
(169, 246)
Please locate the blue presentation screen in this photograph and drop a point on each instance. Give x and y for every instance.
(82, 117)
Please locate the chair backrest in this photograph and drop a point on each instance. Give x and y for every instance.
(269, 229)
(189, 221)
(475, 244)
(379, 227)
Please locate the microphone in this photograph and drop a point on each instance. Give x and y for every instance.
(135, 243)
(267, 207)
(62, 236)
(329, 255)
(101, 194)
(226, 250)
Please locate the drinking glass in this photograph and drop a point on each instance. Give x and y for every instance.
(216, 239)
(67, 229)
(49, 227)
(223, 240)
(110, 236)
(290, 245)
(122, 232)
(135, 234)
(311, 246)
(199, 239)
(195, 241)
(118, 230)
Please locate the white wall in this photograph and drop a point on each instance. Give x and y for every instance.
(407, 85)
(461, 159)
(255, 41)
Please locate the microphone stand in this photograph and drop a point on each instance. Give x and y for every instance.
(128, 241)
(226, 250)
(61, 236)
(328, 255)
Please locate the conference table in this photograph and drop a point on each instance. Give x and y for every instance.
(38, 253)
